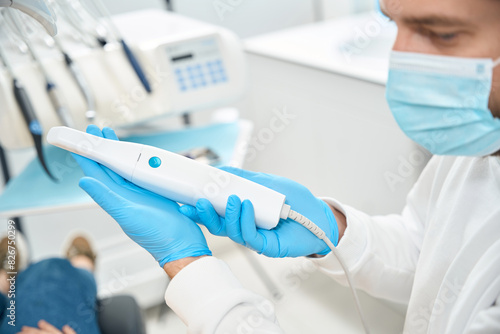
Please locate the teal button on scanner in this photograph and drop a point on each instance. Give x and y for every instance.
(155, 162)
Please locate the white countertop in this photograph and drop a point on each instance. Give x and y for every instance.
(356, 46)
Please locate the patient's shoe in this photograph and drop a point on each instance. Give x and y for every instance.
(81, 253)
(14, 256)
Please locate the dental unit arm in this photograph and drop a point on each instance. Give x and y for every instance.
(37, 9)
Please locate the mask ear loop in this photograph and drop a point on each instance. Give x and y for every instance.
(496, 63)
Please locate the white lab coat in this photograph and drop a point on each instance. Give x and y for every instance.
(441, 256)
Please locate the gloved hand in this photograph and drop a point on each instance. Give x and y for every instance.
(288, 239)
(150, 220)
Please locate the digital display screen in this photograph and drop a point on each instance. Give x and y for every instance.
(188, 56)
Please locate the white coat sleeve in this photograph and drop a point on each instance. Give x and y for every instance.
(487, 321)
(382, 251)
(209, 299)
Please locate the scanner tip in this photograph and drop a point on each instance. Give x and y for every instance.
(53, 135)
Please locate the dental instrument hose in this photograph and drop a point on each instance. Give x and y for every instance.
(6, 178)
(27, 110)
(52, 90)
(297, 217)
(132, 59)
(81, 81)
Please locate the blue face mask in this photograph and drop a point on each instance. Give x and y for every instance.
(442, 102)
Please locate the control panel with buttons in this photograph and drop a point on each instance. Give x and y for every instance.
(197, 64)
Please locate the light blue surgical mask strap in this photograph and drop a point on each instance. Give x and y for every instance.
(496, 63)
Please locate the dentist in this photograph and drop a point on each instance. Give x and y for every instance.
(441, 255)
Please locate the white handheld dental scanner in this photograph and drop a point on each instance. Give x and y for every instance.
(173, 176)
(37, 9)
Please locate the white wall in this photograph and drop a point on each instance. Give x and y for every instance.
(251, 17)
(122, 6)
(245, 17)
(337, 8)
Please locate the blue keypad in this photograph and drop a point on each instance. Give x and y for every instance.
(216, 71)
(181, 81)
(197, 76)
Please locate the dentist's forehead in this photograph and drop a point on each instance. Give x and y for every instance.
(442, 12)
(461, 9)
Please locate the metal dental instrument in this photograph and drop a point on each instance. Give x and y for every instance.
(81, 13)
(13, 37)
(128, 52)
(82, 21)
(80, 80)
(52, 90)
(37, 9)
(32, 31)
(28, 112)
(77, 32)
(6, 178)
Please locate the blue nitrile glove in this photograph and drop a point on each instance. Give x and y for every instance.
(150, 220)
(288, 238)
